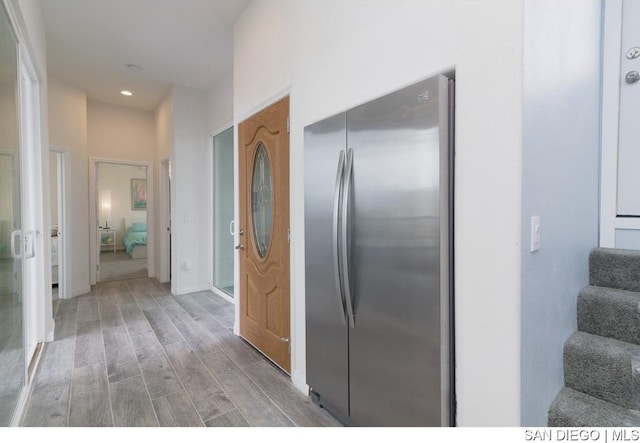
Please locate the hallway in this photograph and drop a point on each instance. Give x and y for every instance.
(130, 354)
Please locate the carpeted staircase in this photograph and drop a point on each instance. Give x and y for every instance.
(602, 359)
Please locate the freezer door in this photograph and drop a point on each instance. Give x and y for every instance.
(326, 328)
(399, 240)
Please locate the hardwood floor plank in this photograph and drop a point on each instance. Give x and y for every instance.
(279, 388)
(56, 363)
(65, 328)
(90, 404)
(162, 327)
(227, 317)
(206, 394)
(110, 315)
(131, 404)
(48, 406)
(197, 337)
(67, 306)
(164, 299)
(89, 348)
(49, 400)
(237, 349)
(88, 308)
(146, 346)
(191, 306)
(176, 410)
(141, 290)
(160, 377)
(255, 406)
(124, 295)
(230, 419)
(135, 320)
(121, 359)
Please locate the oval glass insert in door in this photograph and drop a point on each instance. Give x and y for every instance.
(262, 200)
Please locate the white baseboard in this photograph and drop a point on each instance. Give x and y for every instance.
(189, 290)
(300, 382)
(80, 291)
(50, 334)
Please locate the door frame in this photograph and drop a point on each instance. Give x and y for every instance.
(64, 246)
(94, 249)
(211, 225)
(164, 203)
(612, 46)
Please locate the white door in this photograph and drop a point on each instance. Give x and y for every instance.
(620, 177)
(628, 204)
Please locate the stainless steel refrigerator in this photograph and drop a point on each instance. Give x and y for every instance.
(378, 233)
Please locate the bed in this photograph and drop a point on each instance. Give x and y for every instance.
(135, 238)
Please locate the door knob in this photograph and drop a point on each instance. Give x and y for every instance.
(240, 246)
(241, 232)
(632, 77)
(633, 53)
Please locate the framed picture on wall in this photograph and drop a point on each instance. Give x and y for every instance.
(138, 194)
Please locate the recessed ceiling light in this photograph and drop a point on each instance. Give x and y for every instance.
(127, 93)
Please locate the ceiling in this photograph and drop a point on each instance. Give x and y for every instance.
(184, 42)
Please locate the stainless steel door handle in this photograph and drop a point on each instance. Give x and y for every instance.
(231, 230)
(345, 237)
(240, 247)
(336, 234)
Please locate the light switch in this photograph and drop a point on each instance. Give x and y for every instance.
(535, 233)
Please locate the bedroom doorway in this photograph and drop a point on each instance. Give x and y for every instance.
(57, 212)
(122, 200)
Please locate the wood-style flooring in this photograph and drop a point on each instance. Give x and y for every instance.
(131, 354)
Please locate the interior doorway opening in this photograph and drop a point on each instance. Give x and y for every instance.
(122, 200)
(57, 214)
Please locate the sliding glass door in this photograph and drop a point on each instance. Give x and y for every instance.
(223, 211)
(12, 357)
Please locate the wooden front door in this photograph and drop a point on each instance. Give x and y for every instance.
(263, 143)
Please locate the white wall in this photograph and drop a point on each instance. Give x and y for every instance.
(117, 179)
(121, 133)
(68, 129)
(189, 191)
(220, 103)
(333, 55)
(559, 184)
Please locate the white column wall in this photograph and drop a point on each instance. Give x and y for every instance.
(333, 55)
(560, 180)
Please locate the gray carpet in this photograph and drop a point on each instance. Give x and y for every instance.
(120, 266)
(602, 359)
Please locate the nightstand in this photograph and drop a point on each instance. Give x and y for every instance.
(107, 238)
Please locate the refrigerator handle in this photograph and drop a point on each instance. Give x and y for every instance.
(337, 199)
(345, 237)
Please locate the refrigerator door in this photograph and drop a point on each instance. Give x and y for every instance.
(399, 245)
(326, 327)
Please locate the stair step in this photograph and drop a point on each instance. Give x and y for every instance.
(604, 368)
(575, 409)
(612, 313)
(615, 268)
